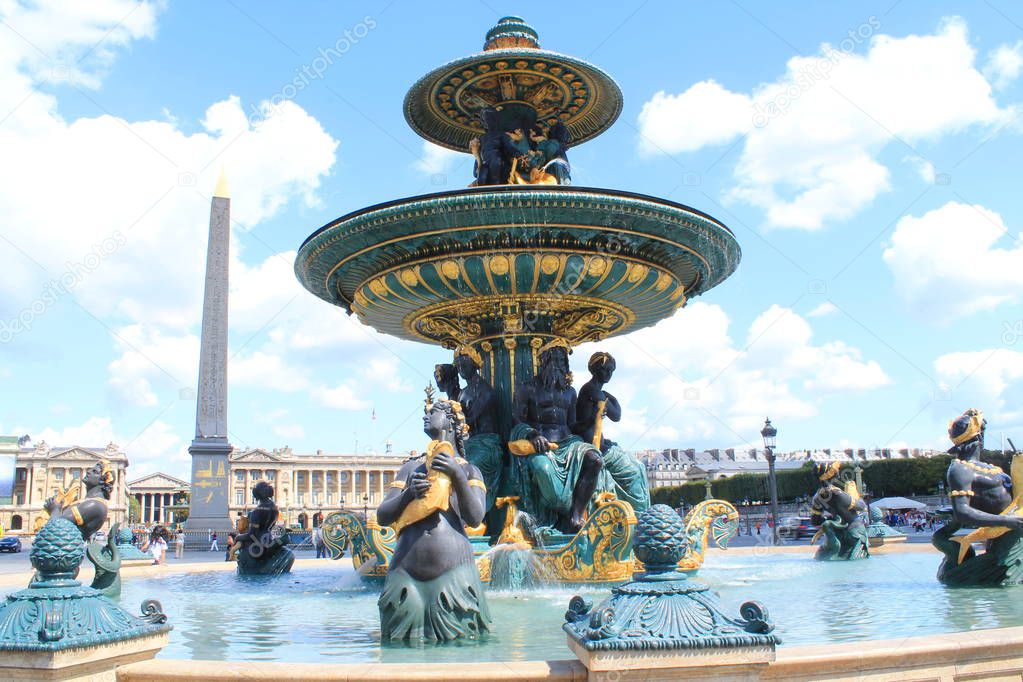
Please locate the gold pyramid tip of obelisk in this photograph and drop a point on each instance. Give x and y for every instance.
(221, 190)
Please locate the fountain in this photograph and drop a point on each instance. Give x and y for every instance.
(511, 273)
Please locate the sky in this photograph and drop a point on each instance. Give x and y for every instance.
(864, 154)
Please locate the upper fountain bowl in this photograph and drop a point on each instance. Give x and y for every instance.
(512, 74)
(558, 260)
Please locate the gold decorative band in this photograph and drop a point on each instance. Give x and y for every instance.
(961, 493)
(397, 484)
(973, 429)
(477, 483)
(77, 514)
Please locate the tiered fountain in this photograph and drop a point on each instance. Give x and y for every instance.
(505, 269)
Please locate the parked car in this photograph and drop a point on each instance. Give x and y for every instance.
(10, 544)
(796, 527)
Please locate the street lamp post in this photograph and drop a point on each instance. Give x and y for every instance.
(365, 508)
(769, 434)
(941, 493)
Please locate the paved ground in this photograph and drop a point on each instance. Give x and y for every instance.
(14, 563)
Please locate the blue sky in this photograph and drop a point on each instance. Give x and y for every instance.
(863, 153)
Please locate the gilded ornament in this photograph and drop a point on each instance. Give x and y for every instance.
(449, 269)
(499, 265)
(597, 266)
(409, 277)
(637, 272)
(549, 264)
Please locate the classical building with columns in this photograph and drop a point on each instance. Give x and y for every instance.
(156, 495)
(305, 485)
(41, 471)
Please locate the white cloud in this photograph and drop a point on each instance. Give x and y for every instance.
(157, 448)
(701, 386)
(436, 160)
(1004, 64)
(812, 153)
(991, 380)
(826, 308)
(72, 42)
(149, 359)
(263, 370)
(705, 114)
(127, 239)
(289, 430)
(924, 168)
(948, 262)
(341, 397)
(93, 432)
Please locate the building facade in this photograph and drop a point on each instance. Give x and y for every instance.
(307, 485)
(157, 496)
(42, 471)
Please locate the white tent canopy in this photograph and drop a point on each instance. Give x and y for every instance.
(897, 503)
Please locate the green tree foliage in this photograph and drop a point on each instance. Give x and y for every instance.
(883, 478)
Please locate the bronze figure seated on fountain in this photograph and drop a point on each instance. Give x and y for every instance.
(984, 498)
(563, 472)
(89, 514)
(594, 404)
(838, 510)
(262, 548)
(433, 591)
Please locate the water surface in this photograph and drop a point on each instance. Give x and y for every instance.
(326, 614)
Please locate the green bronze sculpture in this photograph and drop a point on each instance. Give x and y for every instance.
(984, 498)
(593, 405)
(483, 446)
(562, 472)
(838, 510)
(433, 591)
(89, 514)
(262, 548)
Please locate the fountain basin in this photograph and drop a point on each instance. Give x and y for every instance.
(323, 613)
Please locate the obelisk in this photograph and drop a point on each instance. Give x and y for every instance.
(210, 448)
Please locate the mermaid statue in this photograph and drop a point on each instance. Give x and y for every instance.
(89, 514)
(593, 405)
(432, 591)
(986, 499)
(262, 549)
(837, 510)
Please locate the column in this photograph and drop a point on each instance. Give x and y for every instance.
(248, 487)
(323, 473)
(380, 486)
(351, 481)
(145, 508)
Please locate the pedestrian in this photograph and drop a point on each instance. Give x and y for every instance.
(318, 543)
(232, 547)
(214, 547)
(157, 546)
(758, 528)
(179, 545)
